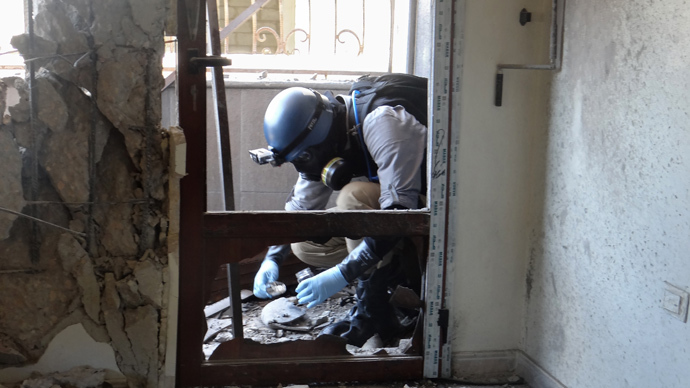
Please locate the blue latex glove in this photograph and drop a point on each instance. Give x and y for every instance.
(268, 272)
(318, 288)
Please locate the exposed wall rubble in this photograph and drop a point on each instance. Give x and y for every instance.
(83, 152)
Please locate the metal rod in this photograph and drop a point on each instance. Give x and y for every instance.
(2, 209)
(411, 37)
(391, 36)
(335, 28)
(91, 241)
(226, 19)
(282, 44)
(254, 37)
(235, 300)
(526, 67)
(221, 108)
(33, 109)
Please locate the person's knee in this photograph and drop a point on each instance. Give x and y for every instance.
(320, 255)
(359, 196)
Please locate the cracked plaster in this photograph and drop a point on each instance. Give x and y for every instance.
(98, 98)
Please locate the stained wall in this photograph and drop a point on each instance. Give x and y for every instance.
(615, 219)
(499, 176)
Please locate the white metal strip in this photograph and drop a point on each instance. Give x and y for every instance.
(437, 354)
(453, 180)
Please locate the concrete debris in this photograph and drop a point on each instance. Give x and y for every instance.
(333, 309)
(92, 159)
(129, 292)
(115, 323)
(11, 191)
(217, 307)
(9, 354)
(34, 302)
(76, 261)
(52, 110)
(260, 328)
(61, 23)
(79, 377)
(66, 153)
(124, 103)
(246, 294)
(115, 192)
(149, 278)
(141, 326)
(215, 326)
(43, 48)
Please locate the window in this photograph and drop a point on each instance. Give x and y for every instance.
(313, 38)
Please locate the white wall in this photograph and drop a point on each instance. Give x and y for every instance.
(616, 215)
(497, 178)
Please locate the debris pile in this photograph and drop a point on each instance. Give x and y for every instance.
(282, 320)
(79, 377)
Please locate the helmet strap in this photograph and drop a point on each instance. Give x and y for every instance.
(358, 126)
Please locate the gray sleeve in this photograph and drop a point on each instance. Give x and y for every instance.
(397, 143)
(308, 195)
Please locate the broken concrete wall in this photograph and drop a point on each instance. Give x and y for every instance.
(83, 200)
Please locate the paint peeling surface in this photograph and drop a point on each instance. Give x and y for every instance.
(616, 213)
(83, 153)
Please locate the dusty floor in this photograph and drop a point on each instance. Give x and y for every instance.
(309, 326)
(306, 327)
(411, 384)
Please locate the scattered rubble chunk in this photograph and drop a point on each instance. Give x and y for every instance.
(78, 377)
(52, 110)
(217, 307)
(150, 281)
(76, 261)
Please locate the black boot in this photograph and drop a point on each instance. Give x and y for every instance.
(372, 313)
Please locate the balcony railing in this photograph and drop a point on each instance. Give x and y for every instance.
(314, 36)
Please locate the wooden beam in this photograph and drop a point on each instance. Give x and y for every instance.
(305, 224)
(306, 371)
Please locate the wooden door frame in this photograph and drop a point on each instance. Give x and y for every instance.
(208, 240)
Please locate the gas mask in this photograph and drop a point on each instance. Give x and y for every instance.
(316, 164)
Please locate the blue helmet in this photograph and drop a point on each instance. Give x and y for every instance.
(295, 119)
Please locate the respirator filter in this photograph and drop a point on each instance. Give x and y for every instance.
(336, 174)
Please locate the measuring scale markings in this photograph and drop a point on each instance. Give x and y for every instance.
(437, 354)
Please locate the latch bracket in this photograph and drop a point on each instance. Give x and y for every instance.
(197, 62)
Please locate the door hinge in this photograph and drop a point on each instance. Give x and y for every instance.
(443, 318)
